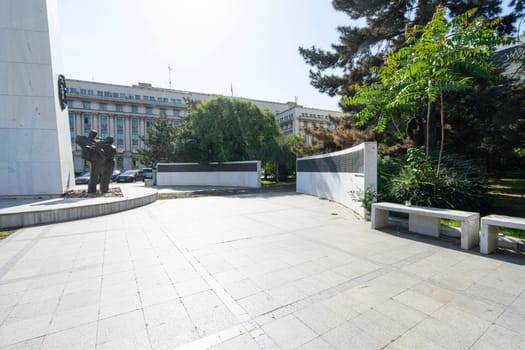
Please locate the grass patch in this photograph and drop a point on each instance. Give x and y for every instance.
(270, 181)
(507, 187)
(450, 223)
(507, 197)
(5, 234)
(511, 232)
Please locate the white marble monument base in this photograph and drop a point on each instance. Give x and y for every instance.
(36, 157)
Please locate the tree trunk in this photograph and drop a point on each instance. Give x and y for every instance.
(442, 130)
(429, 105)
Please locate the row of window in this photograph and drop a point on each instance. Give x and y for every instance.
(87, 126)
(120, 108)
(313, 115)
(286, 117)
(309, 124)
(89, 92)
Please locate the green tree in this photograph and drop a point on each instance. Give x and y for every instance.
(282, 156)
(349, 62)
(159, 142)
(442, 57)
(227, 129)
(342, 133)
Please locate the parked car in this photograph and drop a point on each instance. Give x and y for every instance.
(148, 173)
(82, 179)
(114, 175)
(140, 175)
(128, 176)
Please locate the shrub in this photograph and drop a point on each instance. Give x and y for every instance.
(459, 185)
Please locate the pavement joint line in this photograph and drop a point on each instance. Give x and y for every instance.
(408, 259)
(20, 279)
(213, 339)
(101, 285)
(462, 292)
(21, 253)
(230, 303)
(253, 327)
(65, 235)
(263, 339)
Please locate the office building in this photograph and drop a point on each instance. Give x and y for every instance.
(126, 113)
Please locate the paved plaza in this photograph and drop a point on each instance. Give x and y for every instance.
(265, 271)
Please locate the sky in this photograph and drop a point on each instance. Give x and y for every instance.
(212, 46)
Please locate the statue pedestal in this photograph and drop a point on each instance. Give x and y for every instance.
(35, 158)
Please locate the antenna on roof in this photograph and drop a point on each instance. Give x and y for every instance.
(169, 75)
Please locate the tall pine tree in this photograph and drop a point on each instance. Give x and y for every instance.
(360, 48)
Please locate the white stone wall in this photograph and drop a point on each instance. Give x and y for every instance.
(36, 156)
(250, 179)
(338, 186)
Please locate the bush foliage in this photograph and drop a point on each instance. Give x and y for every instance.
(459, 185)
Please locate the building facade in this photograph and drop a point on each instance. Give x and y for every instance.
(126, 113)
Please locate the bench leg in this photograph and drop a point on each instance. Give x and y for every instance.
(379, 218)
(425, 225)
(470, 233)
(489, 238)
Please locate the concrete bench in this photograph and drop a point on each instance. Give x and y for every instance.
(489, 230)
(425, 220)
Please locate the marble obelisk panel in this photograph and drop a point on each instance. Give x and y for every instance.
(35, 144)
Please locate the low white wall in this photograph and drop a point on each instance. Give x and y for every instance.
(240, 174)
(336, 175)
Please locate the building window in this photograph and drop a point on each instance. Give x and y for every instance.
(83, 92)
(72, 128)
(103, 106)
(149, 110)
(148, 124)
(134, 109)
(176, 112)
(137, 97)
(86, 105)
(104, 126)
(120, 134)
(163, 111)
(69, 104)
(115, 94)
(134, 134)
(120, 108)
(100, 93)
(87, 124)
(107, 94)
(73, 90)
(90, 92)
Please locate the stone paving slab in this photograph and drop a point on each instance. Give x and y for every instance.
(264, 271)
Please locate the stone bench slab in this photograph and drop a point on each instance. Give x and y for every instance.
(425, 220)
(489, 230)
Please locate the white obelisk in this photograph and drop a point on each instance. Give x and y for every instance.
(35, 144)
